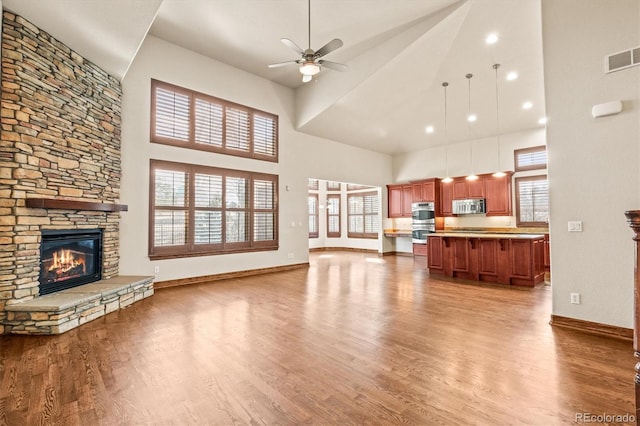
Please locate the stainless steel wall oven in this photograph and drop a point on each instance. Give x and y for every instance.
(423, 222)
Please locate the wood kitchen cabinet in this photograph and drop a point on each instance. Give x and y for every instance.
(476, 188)
(399, 198)
(446, 197)
(509, 260)
(425, 190)
(547, 253)
(460, 189)
(498, 195)
(434, 257)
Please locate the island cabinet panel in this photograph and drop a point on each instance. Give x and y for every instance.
(446, 198)
(498, 195)
(460, 252)
(488, 258)
(435, 261)
(547, 253)
(521, 259)
(509, 260)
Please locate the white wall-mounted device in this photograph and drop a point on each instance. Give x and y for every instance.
(608, 108)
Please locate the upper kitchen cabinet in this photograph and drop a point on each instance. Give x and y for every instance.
(463, 188)
(498, 195)
(399, 199)
(446, 197)
(425, 190)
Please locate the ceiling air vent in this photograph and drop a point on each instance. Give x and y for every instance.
(621, 60)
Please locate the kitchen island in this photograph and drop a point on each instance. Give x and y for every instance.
(509, 258)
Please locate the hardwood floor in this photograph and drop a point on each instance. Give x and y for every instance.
(355, 339)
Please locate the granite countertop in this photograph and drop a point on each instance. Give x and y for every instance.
(506, 235)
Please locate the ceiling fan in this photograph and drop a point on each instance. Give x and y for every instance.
(310, 62)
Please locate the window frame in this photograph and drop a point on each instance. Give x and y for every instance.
(190, 248)
(315, 213)
(517, 190)
(333, 186)
(191, 142)
(337, 234)
(368, 235)
(533, 149)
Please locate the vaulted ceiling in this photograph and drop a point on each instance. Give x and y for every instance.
(398, 51)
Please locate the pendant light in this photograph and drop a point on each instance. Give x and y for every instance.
(499, 173)
(470, 118)
(447, 178)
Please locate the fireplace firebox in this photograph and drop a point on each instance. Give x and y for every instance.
(69, 258)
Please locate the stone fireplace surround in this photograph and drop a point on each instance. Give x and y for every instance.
(59, 169)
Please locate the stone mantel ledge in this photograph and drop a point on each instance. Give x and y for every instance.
(64, 310)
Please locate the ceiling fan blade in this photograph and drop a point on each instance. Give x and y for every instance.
(282, 64)
(333, 65)
(334, 44)
(291, 45)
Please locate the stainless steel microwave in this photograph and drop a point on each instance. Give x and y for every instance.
(471, 206)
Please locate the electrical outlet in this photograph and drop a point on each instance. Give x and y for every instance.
(156, 269)
(575, 298)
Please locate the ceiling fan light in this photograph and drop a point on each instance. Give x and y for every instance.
(307, 78)
(309, 68)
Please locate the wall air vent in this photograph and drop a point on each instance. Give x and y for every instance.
(621, 60)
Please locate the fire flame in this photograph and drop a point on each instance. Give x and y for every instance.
(64, 261)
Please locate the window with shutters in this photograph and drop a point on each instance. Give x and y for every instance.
(190, 119)
(534, 158)
(363, 215)
(333, 215)
(198, 210)
(333, 186)
(313, 216)
(532, 201)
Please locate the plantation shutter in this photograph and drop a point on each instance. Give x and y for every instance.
(170, 216)
(264, 215)
(209, 123)
(333, 216)
(238, 129)
(531, 158)
(171, 114)
(533, 200)
(264, 135)
(208, 209)
(313, 216)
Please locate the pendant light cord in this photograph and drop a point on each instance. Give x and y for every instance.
(469, 126)
(446, 135)
(495, 67)
(309, 26)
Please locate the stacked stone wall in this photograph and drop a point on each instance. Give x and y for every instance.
(59, 138)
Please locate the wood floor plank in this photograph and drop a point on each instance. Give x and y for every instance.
(354, 339)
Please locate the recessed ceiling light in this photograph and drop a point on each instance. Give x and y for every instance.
(471, 118)
(491, 38)
(512, 76)
(527, 105)
(429, 129)
(543, 120)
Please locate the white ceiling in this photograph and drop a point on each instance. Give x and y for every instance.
(398, 51)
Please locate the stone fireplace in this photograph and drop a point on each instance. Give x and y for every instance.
(59, 170)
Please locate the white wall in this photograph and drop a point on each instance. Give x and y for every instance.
(593, 163)
(301, 156)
